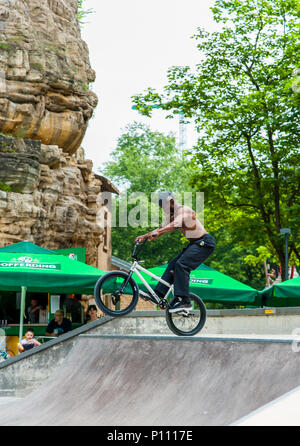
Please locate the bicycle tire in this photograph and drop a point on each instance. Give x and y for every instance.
(105, 287)
(171, 318)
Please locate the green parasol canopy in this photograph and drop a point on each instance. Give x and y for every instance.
(41, 270)
(211, 286)
(26, 247)
(283, 294)
(27, 267)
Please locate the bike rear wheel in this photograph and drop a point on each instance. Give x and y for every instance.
(116, 293)
(188, 323)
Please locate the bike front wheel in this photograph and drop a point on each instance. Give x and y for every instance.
(116, 293)
(188, 323)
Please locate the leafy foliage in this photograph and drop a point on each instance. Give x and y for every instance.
(149, 161)
(5, 187)
(145, 161)
(83, 13)
(240, 95)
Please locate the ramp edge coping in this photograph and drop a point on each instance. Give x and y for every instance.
(189, 338)
(265, 406)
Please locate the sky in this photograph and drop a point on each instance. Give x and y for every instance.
(132, 43)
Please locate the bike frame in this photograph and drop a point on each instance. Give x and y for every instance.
(136, 267)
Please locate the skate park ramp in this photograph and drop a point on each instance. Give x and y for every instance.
(114, 380)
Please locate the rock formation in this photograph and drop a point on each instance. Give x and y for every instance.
(45, 72)
(48, 191)
(49, 197)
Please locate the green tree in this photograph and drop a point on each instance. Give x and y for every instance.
(229, 258)
(145, 161)
(247, 157)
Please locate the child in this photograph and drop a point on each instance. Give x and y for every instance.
(29, 341)
(92, 313)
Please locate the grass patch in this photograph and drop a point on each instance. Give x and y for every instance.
(83, 86)
(5, 187)
(4, 46)
(7, 135)
(37, 66)
(6, 149)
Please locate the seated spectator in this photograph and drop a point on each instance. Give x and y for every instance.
(29, 342)
(92, 313)
(59, 325)
(72, 304)
(34, 311)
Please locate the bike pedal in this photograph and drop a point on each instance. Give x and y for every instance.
(181, 312)
(185, 313)
(163, 304)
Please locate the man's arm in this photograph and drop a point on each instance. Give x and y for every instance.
(168, 227)
(153, 234)
(165, 227)
(34, 309)
(20, 347)
(49, 330)
(69, 325)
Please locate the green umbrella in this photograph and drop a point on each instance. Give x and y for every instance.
(27, 267)
(283, 294)
(27, 247)
(211, 286)
(42, 270)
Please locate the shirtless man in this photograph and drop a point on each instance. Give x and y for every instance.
(201, 245)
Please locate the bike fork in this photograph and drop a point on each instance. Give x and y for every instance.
(124, 285)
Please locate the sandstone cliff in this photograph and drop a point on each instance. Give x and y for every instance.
(48, 196)
(45, 72)
(48, 191)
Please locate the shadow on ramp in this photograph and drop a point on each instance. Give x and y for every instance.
(153, 381)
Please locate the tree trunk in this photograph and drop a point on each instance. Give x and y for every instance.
(282, 263)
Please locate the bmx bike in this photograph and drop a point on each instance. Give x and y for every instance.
(116, 294)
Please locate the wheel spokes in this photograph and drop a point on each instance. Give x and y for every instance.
(113, 297)
(186, 322)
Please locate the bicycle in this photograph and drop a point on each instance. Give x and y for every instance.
(116, 294)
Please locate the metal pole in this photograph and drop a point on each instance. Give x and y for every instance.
(286, 256)
(286, 232)
(22, 309)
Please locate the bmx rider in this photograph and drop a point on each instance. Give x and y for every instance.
(201, 246)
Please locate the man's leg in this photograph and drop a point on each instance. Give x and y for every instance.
(194, 255)
(168, 276)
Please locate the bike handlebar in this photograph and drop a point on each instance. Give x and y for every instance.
(137, 244)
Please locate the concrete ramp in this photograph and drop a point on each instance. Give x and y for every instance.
(156, 381)
(283, 411)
